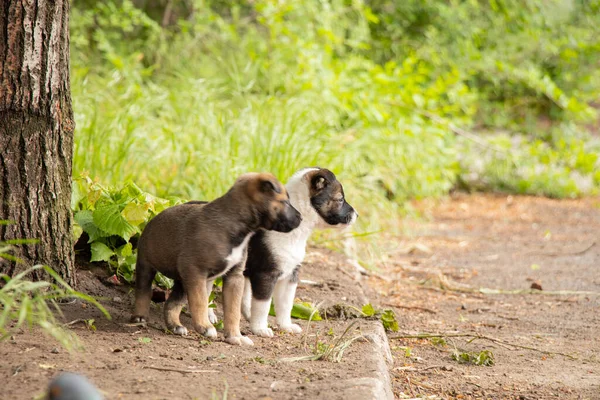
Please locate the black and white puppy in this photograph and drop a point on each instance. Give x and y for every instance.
(274, 258)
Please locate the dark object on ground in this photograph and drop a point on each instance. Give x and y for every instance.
(536, 285)
(70, 386)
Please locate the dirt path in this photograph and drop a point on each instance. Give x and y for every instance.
(129, 362)
(432, 275)
(506, 243)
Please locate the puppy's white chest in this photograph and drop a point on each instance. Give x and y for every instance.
(237, 253)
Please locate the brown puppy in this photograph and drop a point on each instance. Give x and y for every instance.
(194, 243)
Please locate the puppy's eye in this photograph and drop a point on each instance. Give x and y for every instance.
(340, 200)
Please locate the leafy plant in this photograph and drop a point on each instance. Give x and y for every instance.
(387, 316)
(388, 319)
(485, 357)
(111, 218)
(438, 341)
(368, 310)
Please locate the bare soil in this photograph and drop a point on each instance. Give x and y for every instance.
(431, 277)
(506, 243)
(119, 358)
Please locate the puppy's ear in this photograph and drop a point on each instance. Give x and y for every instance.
(269, 186)
(319, 183)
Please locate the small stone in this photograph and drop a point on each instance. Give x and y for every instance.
(536, 285)
(55, 350)
(117, 299)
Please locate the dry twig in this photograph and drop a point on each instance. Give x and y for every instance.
(411, 307)
(557, 254)
(475, 336)
(183, 371)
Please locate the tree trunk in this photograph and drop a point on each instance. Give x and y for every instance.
(36, 133)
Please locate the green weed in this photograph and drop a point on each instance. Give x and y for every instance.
(34, 303)
(484, 358)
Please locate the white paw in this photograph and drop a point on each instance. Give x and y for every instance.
(291, 328)
(209, 332)
(180, 330)
(264, 332)
(239, 340)
(212, 317)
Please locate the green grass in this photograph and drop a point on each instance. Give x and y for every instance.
(276, 86)
(34, 304)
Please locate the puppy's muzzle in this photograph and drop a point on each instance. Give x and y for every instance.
(351, 217)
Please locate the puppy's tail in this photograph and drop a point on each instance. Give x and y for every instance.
(144, 275)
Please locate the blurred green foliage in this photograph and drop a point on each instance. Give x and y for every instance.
(183, 96)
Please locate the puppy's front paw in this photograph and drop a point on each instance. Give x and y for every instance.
(207, 331)
(179, 330)
(239, 340)
(138, 319)
(260, 331)
(212, 317)
(211, 332)
(291, 328)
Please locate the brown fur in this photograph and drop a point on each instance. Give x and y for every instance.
(191, 243)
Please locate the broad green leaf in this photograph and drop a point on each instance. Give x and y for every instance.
(368, 310)
(85, 219)
(135, 213)
(93, 196)
(76, 232)
(109, 219)
(101, 252)
(126, 250)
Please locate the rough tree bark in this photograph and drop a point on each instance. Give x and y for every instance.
(36, 132)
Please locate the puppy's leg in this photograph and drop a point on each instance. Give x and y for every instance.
(262, 290)
(212, 317)
(173, 307)
(233, 290)
(144, 275)
(247, 299)
(195, 288)
(285, 291)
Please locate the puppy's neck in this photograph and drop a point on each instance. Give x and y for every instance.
(300, 199)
